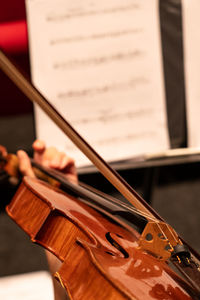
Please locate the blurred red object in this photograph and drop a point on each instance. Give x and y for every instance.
(13, 37)
(14, 41)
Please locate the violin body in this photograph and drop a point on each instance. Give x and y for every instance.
(100, 258)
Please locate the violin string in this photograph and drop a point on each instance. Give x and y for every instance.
(149, 217)
(172, 233)
(55, 174)
(119, 202)
(152, 219)
(127, 207)
(157, 222)
(135, 210)
(58, 176)
(169, 243)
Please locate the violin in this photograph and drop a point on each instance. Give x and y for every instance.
(108, 250)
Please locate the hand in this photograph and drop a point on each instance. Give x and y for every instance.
(49, 157)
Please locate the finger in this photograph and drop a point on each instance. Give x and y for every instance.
(39, 149)
(39, 146)
(55, 163)
(66, 164)
(62, 162)
(65, 161)
(50, 153)
(68, 167)
(25, 164)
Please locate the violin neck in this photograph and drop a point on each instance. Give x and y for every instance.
(95, 199)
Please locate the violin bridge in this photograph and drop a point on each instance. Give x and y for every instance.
(159, 238)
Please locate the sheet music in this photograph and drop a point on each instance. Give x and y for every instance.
(99, 63)
(191, 23)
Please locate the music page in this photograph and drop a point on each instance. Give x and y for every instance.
(191, 23)
(100, 64)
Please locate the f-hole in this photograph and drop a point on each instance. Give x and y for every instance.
(116, 245)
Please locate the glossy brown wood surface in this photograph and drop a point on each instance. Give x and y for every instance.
(93, 266)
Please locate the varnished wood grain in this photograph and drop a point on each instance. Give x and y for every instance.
(92, 268)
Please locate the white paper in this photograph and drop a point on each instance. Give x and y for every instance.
(191, 24)
(29, 286)
(99, 63)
